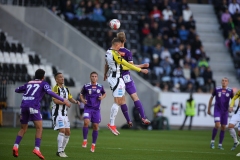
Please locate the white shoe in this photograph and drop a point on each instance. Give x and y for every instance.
(63, 153)
(238, 155)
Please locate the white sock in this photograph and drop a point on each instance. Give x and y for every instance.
(16, 145)
(37, 148)
(212, 141)
(233, 134)
(65, 142)
(60, 141)
(113, 113)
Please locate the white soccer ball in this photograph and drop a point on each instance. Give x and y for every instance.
(114, 24)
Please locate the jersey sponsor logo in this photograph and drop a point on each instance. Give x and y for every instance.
(94, 87)
(28, 98)
(120, 91)
(35, 82)
(60, 123)
(223, 90)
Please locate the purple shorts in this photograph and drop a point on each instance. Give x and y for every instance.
(220, 116)
(93, 115)
(30, 114)
(130, 87)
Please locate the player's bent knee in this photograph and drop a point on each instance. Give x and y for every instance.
(230, 126)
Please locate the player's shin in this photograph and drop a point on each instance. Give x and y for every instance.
(37, 143)
(124, 109)
(233, 134)
(60, 141)
(140, 109)
(65, 142)
(113, 114)
(17, 141)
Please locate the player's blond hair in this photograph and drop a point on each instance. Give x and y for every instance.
(121, 36)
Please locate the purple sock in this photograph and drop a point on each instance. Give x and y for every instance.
(214, 133)
(37, 142)
(125, 112)
(18, 140)
(94, 136)
(85, 132)
(139, 107)
(221, 136)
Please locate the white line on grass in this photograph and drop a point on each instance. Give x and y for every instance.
(137, 149)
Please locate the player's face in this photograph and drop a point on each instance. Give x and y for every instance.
(94, 78)
(118, 45)
(224, 82)
(60, 79)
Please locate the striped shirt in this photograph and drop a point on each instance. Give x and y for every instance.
(64, 93)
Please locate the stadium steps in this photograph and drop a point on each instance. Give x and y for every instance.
(213, 42)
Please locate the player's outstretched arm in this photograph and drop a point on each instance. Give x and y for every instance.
(83, 100)
(20, 89)
(144, 65)
(51, 93)
(74, 101)
(210, 105)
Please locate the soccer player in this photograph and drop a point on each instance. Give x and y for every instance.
(91, 95)
(33, 92)
(222, 94)
(234, 120)
(59, 114)
(129, 83)
(112, 73)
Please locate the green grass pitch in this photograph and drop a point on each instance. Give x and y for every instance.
(129, 145)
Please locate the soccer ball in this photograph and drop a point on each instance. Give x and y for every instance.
(114, 24)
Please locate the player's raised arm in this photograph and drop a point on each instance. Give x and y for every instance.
(237, 95)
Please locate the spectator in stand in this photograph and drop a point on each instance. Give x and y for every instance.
(237, 63)
(203, 63)
(233, 7)
(166, 41)
(89, 9)
(236, 47)
(155, 30)
(165, 87)
(166, 65)
(145, 30)
(158, 49)
(178, 76)
(187, 73)
(188, 52)
(107, 12)
(167, 13)
(208, 79)
(180, 22)
(174, 43)
(189, 88)
(187, 13)
(176, 88)
(174, 7)
(98, 14)
(158, 40)
(155, 65)
(178, 54)
(236, 18)
(148, 44)
(80, 10)
(165, 53)
(173, 30)
(109, 37)
(183, 6)
(142, 21)
(225, 18)
(191, 24)
(156, 13)
(196, 44)
(183, 34)
(68, 11)
(196, 75)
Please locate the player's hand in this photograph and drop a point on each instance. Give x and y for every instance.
(85, 101)
(230, 109)
(145, 71)
(209, 112)
(78, 102)
(100, 97)
(146, 65)
(105, 77)
(67, 103)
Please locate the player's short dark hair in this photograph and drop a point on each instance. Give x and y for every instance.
(116, 40)
(93, 73)
(56, 74)
(39, 74)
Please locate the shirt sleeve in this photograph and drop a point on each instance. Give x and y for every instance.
(214, 92)
(120, 60)
(234, 98)
(83, 91)
(69, 94)
(103, 91)
(21, 89)
(55, 90)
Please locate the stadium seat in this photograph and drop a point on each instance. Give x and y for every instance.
(35, 67)
(53, 82)
(30, 70)
(25, 58)
(31, 59)
(37, 59)
(6, 57)
(48, 70)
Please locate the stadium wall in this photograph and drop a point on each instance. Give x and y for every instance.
(176, 104)
(75, 62)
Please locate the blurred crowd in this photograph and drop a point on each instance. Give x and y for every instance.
(228, 12)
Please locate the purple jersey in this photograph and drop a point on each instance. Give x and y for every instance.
(127, 55)
(33, 91)
(91, 94)
(222, 98)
